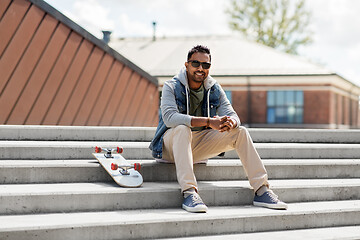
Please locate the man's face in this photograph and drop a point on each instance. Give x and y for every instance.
(197, 74)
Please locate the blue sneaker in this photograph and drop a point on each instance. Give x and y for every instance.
(193, 203)
(269, 200)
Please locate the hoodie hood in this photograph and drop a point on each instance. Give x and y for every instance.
(182, 77)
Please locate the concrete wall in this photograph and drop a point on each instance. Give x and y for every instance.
(53, 72)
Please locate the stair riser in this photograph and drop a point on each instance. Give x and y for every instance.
(63, 153)
(87, 202)
(85, 152)
(330, 152)
(305, 135)
(25, 175)
(154, 229)
(70, 133)
(74, 133)
(166, 172)
(212, 196)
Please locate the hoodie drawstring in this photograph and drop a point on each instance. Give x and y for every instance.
(208, 102)
(187, 101)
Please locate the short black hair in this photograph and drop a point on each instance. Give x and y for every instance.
(198, 48)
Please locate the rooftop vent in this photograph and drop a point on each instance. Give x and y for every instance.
(106, 36)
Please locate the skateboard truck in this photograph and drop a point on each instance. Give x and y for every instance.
(109, 151)
(124, 170)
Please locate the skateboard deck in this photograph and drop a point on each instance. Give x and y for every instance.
(124, 173)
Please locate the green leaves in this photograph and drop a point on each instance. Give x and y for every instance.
(280, 24)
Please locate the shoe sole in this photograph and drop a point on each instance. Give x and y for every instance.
(271, 206)
(198, 209)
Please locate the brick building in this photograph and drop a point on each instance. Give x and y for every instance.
(267, 88)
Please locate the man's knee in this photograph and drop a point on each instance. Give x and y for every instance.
(242, 131)
(183, 130)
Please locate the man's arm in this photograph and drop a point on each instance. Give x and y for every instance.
(169, 110)
(222, 124)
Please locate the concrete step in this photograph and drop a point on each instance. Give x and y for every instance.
(75, 197)
(63, 150)
(53, 188)
(75, 133)
(67, 171)
(350, 232)
(51, 171)
(160, 223)
(31, 150)
(231, 169)
(80, 133)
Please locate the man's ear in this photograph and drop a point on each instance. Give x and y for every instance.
(186, 64)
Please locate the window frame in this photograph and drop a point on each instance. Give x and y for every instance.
(285, 107)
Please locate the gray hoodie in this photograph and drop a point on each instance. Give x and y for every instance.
(169, 108)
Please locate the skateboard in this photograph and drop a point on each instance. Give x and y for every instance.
(124, 173)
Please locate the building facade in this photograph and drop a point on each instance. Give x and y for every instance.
(276, 103)
(267, 88)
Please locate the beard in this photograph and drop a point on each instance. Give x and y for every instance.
(198, 76)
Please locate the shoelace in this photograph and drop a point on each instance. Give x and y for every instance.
(273, 196)
(196, 199)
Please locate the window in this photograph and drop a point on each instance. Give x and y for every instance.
(285, 106)
(228, 95)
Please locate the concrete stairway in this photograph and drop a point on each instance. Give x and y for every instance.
(52, 188)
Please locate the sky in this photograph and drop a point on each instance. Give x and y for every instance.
(335, 24)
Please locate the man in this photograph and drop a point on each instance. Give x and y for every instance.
(197, 122)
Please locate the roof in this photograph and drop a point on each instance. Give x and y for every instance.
(53, 72)
(231, 56)
(99, 43)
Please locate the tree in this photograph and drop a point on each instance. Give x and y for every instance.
(280, 24)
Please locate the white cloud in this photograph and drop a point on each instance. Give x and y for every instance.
(89, 14)
(336, 36)
(93, 15)
(335, 21)
(132, 27)
(335, 24)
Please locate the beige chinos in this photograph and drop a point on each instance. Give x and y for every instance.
(185, 147)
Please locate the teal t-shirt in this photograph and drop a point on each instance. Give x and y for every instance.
(196, 101)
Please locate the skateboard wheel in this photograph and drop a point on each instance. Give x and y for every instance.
(114, 166)
(98, 149)
(137, 166)
(119, 150)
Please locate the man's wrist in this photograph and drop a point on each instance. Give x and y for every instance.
(208, 122)
(234, 122)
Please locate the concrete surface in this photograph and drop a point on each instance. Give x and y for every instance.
(62, 171)
(157, 223)
(69, 133)
(72, 197)
(43, 150)
(52, 187)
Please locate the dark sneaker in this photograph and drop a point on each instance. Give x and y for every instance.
(193, 203)
(269, 200)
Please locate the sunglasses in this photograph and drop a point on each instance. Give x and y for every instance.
(196, 64)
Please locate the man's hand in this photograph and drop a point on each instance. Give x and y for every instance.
(228, 124)
(224, 123)
(217, 122)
